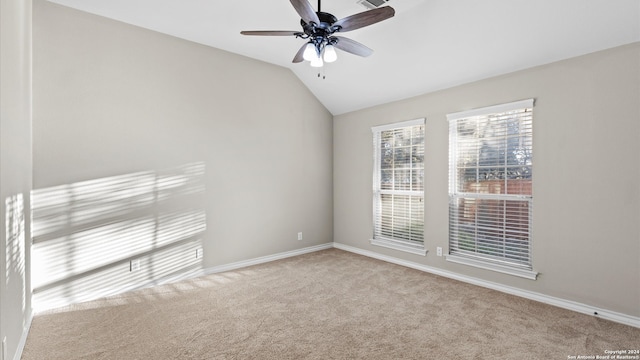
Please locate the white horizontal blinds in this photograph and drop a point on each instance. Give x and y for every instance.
(398, 182)
(490, 183)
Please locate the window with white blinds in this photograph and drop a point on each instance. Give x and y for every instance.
(398, 189)
(490, 187)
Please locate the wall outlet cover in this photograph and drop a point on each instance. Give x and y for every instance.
(134, 265)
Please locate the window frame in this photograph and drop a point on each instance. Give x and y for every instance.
(414, 247)
(487, 261)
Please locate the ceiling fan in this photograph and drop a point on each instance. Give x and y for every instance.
(319, 27)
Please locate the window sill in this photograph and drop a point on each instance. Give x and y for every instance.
(527, 274)
(396, 245)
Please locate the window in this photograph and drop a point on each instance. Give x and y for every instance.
(490, 188)
(398, 191)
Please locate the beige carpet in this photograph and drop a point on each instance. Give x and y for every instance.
(325, 305)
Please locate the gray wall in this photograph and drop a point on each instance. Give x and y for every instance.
(586, 213)
(15, 171)
(117, 104)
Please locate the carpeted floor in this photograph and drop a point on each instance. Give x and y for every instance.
(324, 305)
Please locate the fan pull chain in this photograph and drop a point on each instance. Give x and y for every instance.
(322, 73)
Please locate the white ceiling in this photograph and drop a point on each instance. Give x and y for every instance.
(428, 45)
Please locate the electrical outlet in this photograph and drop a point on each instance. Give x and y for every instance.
(134, 265)
(300, 235)
(439, 251)
(199, 253)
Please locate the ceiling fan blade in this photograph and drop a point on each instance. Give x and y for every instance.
(363, 19)
(270, 32)
(306, 11)
(352, 46)
(299, 58)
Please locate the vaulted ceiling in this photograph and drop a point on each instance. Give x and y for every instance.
(428, 45)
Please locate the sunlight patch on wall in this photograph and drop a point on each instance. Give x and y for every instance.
(88, 235)
(15, 249)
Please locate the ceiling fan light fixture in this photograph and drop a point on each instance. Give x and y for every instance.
(317, 62)
(310, 52)
(330, 54)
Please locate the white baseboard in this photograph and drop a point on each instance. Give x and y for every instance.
(562, 303)
(265, 259)
(229, 267)
(189, 275)
(23, 338)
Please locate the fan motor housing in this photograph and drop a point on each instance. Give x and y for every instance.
(326, 17)
(326, 20)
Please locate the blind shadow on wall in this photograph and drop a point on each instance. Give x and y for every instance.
(15, 249)
(105, 236)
